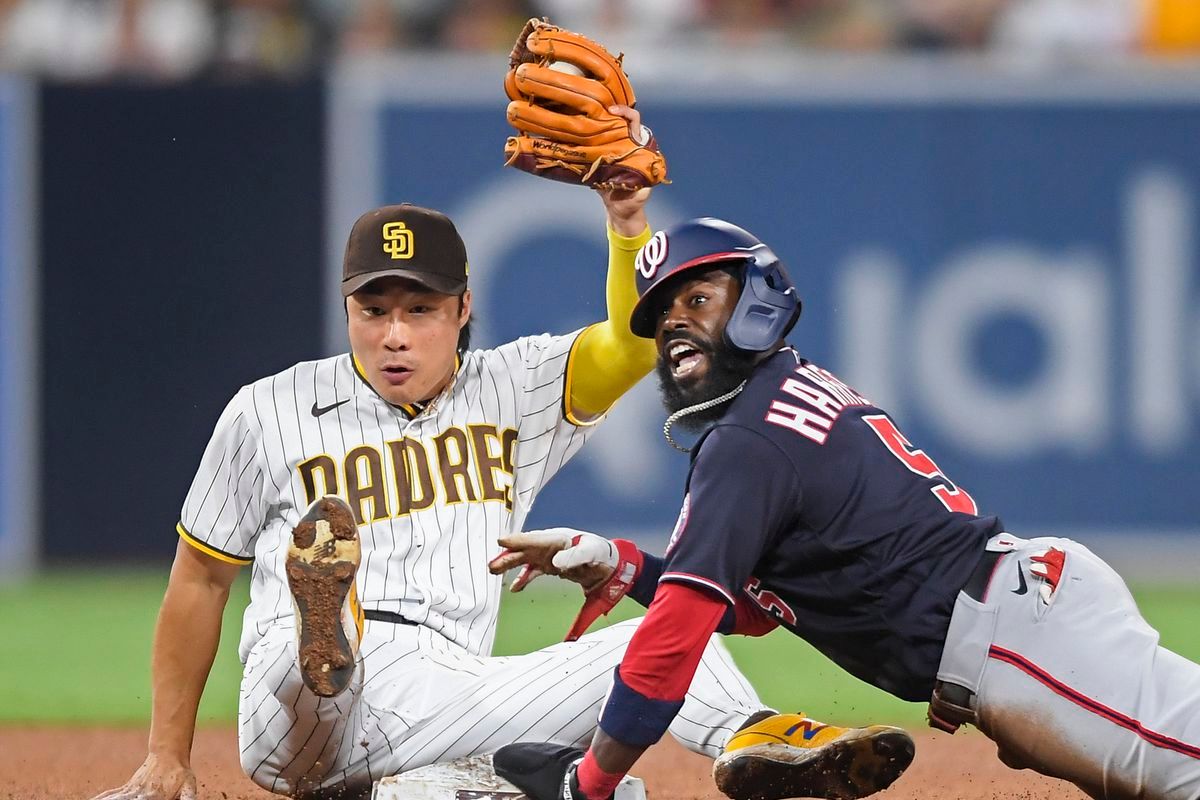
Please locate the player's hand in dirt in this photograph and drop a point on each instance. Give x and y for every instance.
(156, 779)
(626, 209)
(577, 556)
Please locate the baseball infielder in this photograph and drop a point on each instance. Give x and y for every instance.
(807, 508)
(367, 491)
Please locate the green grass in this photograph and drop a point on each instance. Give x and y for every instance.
(80, 648)
(76, 649)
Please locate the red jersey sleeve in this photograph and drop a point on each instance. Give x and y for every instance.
(653, 677)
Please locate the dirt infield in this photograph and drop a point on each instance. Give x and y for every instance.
(65, 763)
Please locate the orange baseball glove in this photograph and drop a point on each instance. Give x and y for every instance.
(564, 128)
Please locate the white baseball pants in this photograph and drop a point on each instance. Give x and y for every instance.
(418, 698)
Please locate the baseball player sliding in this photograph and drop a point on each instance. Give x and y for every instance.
(806, 507)
(367, 492)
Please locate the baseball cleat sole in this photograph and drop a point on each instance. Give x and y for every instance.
(322, 560)
(858, 764)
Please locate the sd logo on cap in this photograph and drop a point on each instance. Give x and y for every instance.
(405, 241)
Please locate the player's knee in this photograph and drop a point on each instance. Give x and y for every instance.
(615, 632)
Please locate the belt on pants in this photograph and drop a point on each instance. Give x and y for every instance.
(953, 705)
(386, 616)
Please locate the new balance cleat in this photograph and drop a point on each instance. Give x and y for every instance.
(322, 560)
(790, 755)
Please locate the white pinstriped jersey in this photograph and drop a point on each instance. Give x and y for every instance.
(433, 488)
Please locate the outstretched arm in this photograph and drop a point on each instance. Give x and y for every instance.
(185, 644)
(650, 683)
(608, 359)
(647, 692)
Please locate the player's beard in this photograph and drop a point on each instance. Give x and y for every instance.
(727, 368)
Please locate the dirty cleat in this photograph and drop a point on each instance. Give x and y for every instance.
(790, 755)
(321, 562)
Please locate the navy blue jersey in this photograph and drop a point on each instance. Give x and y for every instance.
(807, 497)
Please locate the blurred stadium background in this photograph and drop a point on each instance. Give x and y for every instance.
(991, 207)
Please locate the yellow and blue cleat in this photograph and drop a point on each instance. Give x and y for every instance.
(791, 755)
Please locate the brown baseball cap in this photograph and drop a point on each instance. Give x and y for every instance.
(406, 241)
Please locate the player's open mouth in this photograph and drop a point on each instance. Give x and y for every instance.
(684, 359)
(396, 375)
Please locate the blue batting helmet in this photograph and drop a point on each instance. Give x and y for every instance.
(769, 304)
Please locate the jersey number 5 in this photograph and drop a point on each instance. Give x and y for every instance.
(951, 496)
(769, 601)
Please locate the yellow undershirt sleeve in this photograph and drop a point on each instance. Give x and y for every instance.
(607, 359)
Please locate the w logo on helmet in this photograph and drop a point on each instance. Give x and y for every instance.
(652, 255)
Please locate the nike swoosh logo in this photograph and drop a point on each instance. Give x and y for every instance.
(319, 410)
(1022, 589)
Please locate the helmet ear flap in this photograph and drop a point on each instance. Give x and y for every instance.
(767, 308)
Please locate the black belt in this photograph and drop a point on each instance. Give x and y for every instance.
(386, 616)
(976, 585)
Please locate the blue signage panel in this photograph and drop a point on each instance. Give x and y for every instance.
(1015, 281)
